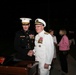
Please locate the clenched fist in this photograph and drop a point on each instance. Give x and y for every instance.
(30, 53)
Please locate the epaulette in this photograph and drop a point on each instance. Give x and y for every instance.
(46, 33)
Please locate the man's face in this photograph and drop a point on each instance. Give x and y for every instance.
(52, 32)
(26, 27)
(39, 28)
(60, 32)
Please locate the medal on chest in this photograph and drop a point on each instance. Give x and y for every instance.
(31, 36)
(40, 40)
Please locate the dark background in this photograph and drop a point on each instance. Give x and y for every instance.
(56, 14)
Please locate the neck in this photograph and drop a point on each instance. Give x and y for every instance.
(26, 30)
(41, 31)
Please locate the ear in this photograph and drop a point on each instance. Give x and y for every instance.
(29, 25)
(43, 27)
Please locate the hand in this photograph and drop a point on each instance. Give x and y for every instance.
(29, 65)
(46, 66)
(30, 53)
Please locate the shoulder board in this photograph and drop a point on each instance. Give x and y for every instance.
(46, 33)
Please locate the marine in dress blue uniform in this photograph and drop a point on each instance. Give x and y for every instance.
(24, 41)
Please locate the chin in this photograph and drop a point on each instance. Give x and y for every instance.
(25, 29)
(37, 31)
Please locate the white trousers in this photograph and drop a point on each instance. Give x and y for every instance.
(44, 71)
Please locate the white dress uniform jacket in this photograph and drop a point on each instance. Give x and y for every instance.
(44, 51)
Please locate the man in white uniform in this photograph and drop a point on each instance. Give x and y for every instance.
(44, 47)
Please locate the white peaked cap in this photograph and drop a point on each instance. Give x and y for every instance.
(25, 19)
(38, 20)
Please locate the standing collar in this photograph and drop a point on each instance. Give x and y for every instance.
(26, 31)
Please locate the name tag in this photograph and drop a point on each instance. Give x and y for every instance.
(22, 36)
